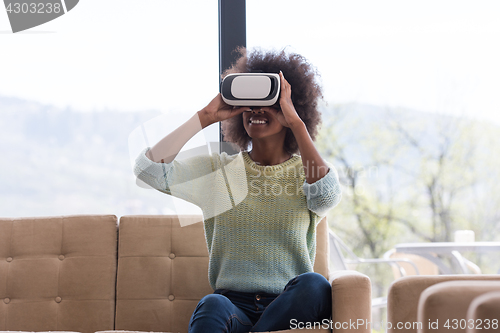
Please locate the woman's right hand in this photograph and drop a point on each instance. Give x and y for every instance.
(218, 110)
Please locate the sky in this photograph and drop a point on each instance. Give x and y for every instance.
(436, 56)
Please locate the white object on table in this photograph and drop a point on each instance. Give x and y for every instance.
(464, 236)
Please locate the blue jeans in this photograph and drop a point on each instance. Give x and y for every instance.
(306, 298)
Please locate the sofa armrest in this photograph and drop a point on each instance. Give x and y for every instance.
(351, 302)
(404, 294)
(443, 306)
(484, 312)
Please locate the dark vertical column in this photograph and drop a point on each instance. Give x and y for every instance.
(232, 33)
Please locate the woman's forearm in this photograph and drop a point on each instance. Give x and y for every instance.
(315, 167)
(167, 148)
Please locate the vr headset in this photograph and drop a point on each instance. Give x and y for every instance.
(250, 89)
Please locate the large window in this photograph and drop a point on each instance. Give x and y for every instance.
(73, 90)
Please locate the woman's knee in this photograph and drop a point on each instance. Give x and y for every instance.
(214, 301)
(315, 283)
(216, 313)
(313, 278)
(211, 311)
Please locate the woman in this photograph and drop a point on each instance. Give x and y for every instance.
(260, 207)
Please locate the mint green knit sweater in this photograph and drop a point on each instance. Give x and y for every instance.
(260, 221)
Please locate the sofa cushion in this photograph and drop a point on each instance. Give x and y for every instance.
(58, 273)
(162, 273)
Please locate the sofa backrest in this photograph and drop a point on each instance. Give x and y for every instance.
(58, 273)
(322, 249)
(163, 271)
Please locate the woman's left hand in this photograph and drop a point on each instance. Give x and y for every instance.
(287, 116)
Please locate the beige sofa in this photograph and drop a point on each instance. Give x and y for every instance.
(418, 304)
(444, 306)
(484, 309)
(146, 273)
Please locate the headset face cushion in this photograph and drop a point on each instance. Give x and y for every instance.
(251, 89)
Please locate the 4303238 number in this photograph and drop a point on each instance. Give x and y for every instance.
(462, 324)
(34, 8)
